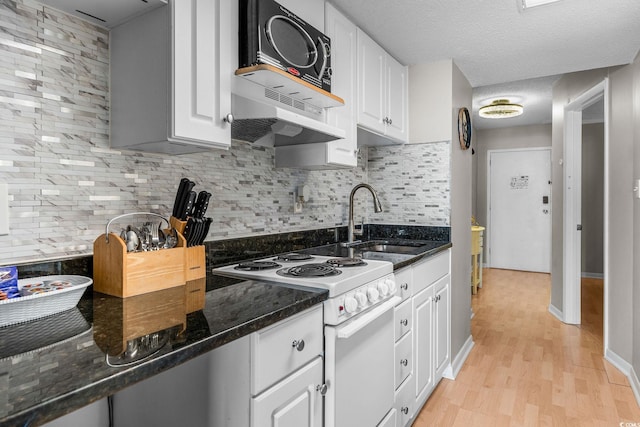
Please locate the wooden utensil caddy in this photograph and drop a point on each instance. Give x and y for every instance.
(123, 274)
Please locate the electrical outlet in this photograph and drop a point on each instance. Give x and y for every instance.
(297, 204)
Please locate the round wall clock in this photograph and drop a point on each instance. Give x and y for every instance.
(464, 128)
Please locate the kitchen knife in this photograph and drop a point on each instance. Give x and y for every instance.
(201, 204)
(179, 195)
(189, 229)
(184, 199)
(188, 208)
(205, 233)
(197, 230)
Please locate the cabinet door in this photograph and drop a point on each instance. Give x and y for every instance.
(343, 34)
(293, 402)
(422, 327)
(397, 102)
(371, 83)
(441, 327)
(201, 78)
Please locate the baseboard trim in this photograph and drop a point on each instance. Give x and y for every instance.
(635, 384)
(592, 275)
(617, 361)
(556, 313)
(454, 368)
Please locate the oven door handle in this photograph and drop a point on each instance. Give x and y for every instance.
(364, 319)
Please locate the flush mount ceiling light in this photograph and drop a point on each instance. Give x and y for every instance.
(500, 109)
(526, 4)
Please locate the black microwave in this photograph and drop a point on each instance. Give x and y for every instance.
(270, 34)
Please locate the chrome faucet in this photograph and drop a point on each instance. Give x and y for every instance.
(376, 206)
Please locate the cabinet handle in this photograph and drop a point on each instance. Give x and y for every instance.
(298, 345)
(405, 410)
(404, 322)
(322, 388)
(228, 118)
(404, 286)
(404, 362)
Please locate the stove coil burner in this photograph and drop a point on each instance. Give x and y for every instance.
(309, 270)
(257, 265)
(293, 256)
(346, 262)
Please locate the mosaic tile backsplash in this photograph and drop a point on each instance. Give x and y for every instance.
(65, 183)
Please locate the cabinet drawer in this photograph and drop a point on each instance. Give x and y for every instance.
(403, 359)
(273, 353)
(403, 281)
(430, 270)
(405, 402)
(402, 319)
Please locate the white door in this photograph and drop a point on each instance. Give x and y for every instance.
(519, 228)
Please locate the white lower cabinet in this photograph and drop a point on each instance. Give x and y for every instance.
(390, 420)
(293, 402)
(272, 377)
(423, 314)
(422, 333)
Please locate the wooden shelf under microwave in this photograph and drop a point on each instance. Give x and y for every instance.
(288, 85)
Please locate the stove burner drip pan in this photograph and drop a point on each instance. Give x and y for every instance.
(256, 265)
(309, 270)
(293, 256)
(346, 262)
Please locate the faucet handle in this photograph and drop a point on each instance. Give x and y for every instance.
(359, 231)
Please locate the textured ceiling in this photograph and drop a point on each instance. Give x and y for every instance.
(495, 42)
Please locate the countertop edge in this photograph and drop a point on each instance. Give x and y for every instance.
(397, 266)
(66, 404)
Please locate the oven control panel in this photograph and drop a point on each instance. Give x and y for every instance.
(357, 300)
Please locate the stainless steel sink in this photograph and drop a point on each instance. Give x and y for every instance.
(396, 249)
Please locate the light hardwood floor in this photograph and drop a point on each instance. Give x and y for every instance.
(529, 369)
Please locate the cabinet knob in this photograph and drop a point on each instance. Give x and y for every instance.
(298, 345)
(322, 388)
(404, 322)
(404, 362)
(404, 410)
(389, 121)
(404, 286)
(228, 118)
(385, 120)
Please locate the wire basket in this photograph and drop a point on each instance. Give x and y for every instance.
(37, 305)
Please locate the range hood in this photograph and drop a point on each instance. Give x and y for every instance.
(274, 126)
(273, 109)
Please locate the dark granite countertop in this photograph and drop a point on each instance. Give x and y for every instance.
(53, 366)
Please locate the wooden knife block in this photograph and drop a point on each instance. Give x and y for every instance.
(194, 256)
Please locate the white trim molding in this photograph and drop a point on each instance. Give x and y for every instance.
(455, 366)
(635, 384)
(556, 313)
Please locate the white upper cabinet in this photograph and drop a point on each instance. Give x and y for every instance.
(171, 79)
(382, 91)
(341, 153)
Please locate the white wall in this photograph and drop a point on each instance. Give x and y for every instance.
(619, 298)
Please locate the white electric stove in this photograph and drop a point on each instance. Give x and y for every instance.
(355, 285)
(358, 332)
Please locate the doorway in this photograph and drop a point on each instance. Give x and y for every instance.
(519, 209)
(572, 216)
